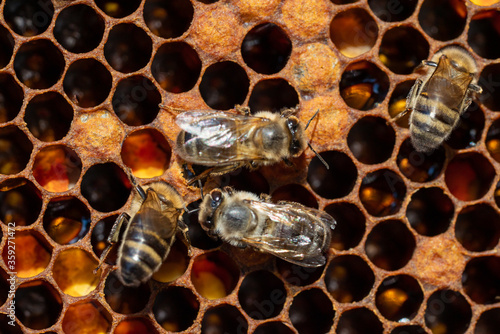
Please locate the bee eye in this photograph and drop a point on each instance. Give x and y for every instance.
(216, 196)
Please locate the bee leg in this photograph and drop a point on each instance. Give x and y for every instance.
(215, 171)
(475, 88)
(183, 228)
(242, 110)
(229, 190)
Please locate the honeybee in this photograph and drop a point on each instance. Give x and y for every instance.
(440, 96)
(149, 227)
(288, 230)
(227, 141)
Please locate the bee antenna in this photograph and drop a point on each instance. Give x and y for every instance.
(319, 156)
(309, 121)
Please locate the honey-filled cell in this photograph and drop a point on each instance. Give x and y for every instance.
(135, 326)
(175, 265)
(382, 193)
(66, 220)
(86, 317)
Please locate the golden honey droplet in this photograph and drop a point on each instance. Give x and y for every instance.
(357, 96)
(391, 301)
(63, 230)
(209, 285)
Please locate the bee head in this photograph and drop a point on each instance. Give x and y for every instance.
(297, 144)
(208, 206)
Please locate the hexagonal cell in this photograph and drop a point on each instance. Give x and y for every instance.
(16, 150)
(87, 82)
(175, 308)
(418, 166)
(128, 48)
(99, 239)
(382, 193)
(135, 100)
(48, 116)
(168, 19)
(6, 46)
(447, 309)
(371, 140)
(397, 103)
(262, 295)
(123, 299)
(223, 85)
(175, 265)
(79, 29)
(488, 322)
(266, 48)
(32, 254)
(443, 19)
(273, 95)
(481, 279)
(252, 181)
(223, 319)
(273, 327)
(106, 187)
(214, 274)
(86, 317)
(390, 11)
(363, 85)
(349, 278)
(350, 226)
(311, 312)
(298, 275)
(38, 305)
(359, 321)
(399, 297)
(135, 326)
(11, 97)
(28, 17)
(354, 32)
(390, 245)
(21, 202)
(118, 9)
(469, 129)
(146, 152)
(73, 272)
(176, 67)
(469, 176)
(478, 228)
(335, 182)
(493, 140)
(198, 237)
(488, 80)
(295, 193)
(484, 34)
(430, 211)
(408, 329)
(39, 64)
(402, 49)
(57, 168)
(66, 220)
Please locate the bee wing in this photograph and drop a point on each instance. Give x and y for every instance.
(152, 217)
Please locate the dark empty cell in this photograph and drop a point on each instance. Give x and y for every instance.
(16, 150)
(28, 17)
(49, 116)
(402, 49)
(224, 85)
(135, 326)
(262, 295)
(66, 220)
(399, 297)
(493, 140)
(6, 46)
(481, 279)
(392, 11)
(136, 100)
(168, 19)
(266, 48)
(7, 328)
(430, 211)
(273, 328)
(359, 321)
(79, 29)
(197, 236)
(118, 9)
(371, 140)
(350, 226)
(335, 182)
(295, 193)
(397, 103)
(128, 48)
(418, 166)
(252, 181)
(106, 187)
(207, 1)
(489, 80)
(99, 239)
(363, 85)
(176, 67)
(4, 289)
(87, 82)
(349, 278)
(223, 319)
(469, 129)
(447, 309)
(298, 275)
(484, 34)
(123, 299)
(382, 193)
(409, 329)
(443, 19)
(478, 228)
(38, 305)
(488, 322)
(390, 245)
(353, 32)
(38, 64)
(469, 176)
(11, 97)
(312, 312)
(273, 95)
(497, 195)
(20, 202)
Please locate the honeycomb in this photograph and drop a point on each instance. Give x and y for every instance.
(82, 83)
